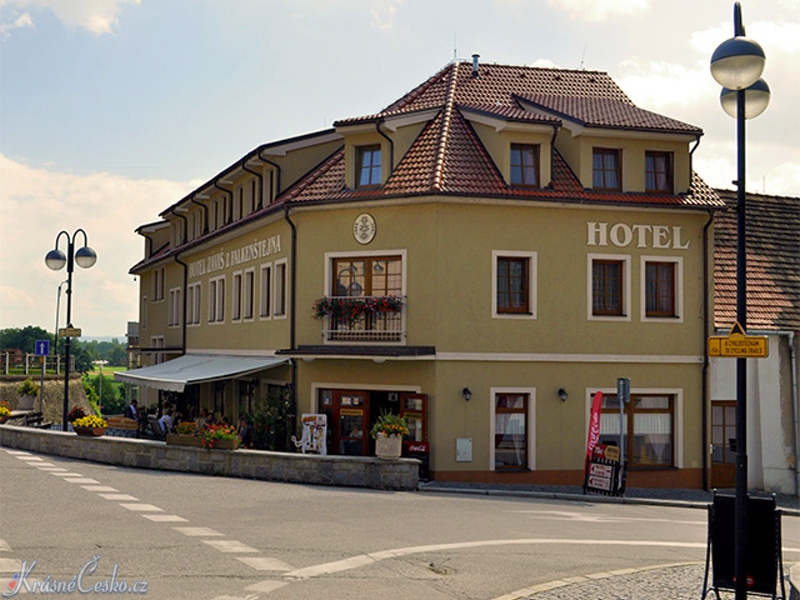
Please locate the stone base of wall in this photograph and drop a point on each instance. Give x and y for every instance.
(348, 471)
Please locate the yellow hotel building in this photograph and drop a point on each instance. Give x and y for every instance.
(484, 254)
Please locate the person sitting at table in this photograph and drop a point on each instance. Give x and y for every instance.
(166, 422)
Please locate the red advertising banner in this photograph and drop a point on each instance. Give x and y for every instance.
(594, 424)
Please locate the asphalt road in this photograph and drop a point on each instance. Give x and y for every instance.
(210, 538)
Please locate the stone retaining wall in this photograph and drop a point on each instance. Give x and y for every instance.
(351, 471)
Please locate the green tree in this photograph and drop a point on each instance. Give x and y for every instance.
(23, 339)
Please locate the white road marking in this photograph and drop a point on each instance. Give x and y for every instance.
(197, 531)
(66, 475)
(264, 563)
(99, 488)
(229, 546)
(557, 515)
(165, 518)
(30, 458)
(366, 559)
(10, 565)
(86, 480)
(17, 452)
(142, 507)
(45, 465)
(119, 497)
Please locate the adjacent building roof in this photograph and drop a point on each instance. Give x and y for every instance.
(773, 262)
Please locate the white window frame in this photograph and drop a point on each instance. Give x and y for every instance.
(248, 294)
(216, 300)
(677, 434)
(532, 287)
(143, 313)
(265, 290)
(626, 287)
(678, 262)
(280, 296)
(174, 309)
(193, 302)
(159, 278)
(530, 424)
(237, 283)
(157, 341)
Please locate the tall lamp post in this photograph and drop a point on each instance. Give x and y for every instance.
(55, 260)
(737, 65)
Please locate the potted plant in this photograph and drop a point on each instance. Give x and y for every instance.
(27, 390)
(90, 426)
(186, 434)
(388, 432)
(76, 413)
(222, 437)
(354, 308)
(5, 412)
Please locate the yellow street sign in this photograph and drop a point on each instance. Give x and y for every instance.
(738, 345)
(69, 332)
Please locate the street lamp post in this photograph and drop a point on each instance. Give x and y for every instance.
(55, 260)
(737, 65)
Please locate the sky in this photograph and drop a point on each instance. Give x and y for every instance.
(112, 110)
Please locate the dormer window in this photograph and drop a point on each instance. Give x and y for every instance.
(525, 165)
(368, 168)
(606, 169)
(658, 172)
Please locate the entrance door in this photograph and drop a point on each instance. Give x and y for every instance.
(348, 421)
(723, 444)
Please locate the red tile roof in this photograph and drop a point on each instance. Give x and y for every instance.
(773, 262)
(449, 158)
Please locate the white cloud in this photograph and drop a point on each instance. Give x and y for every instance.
(383, 13)
(38, 203)
(19, 22)
(657, 85)
(98, 16)
(601, 10)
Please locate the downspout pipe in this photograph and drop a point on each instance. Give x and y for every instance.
(205, 213)
(795, 410)
(185, 226)
(277, 175)
(293, 305)
(230, 201)
(260, 202)
(183, 301)
(552, 154)
(691, 157)
(388, 139)
(706, 445)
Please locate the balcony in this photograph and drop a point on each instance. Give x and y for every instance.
(377, 319)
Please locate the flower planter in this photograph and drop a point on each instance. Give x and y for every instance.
(176, 439)
(90, 431)
(225, 444)
(25, 402)
(388, 446)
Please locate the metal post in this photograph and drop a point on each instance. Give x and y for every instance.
(70, 267)
(740, 510)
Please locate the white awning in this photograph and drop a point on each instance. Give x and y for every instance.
(174, 375)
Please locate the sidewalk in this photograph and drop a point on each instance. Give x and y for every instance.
(672, 582)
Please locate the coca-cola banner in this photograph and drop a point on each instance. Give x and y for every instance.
(594, 424)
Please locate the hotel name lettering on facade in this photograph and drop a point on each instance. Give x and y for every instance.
(644, 236)
(231, 258)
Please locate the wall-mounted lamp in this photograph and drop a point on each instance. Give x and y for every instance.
(466, 393)
(562, 394)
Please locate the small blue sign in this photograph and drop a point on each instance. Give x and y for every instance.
(42, 347)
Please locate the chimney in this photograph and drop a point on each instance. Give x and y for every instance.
(475, 58)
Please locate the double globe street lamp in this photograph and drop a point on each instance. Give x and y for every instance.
(55, 260)
(737, 65)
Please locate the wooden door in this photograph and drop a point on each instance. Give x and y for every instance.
(723, 444)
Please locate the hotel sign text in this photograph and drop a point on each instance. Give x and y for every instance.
(231, 258)
(644, 236)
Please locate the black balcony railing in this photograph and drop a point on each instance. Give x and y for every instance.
(362, 318)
